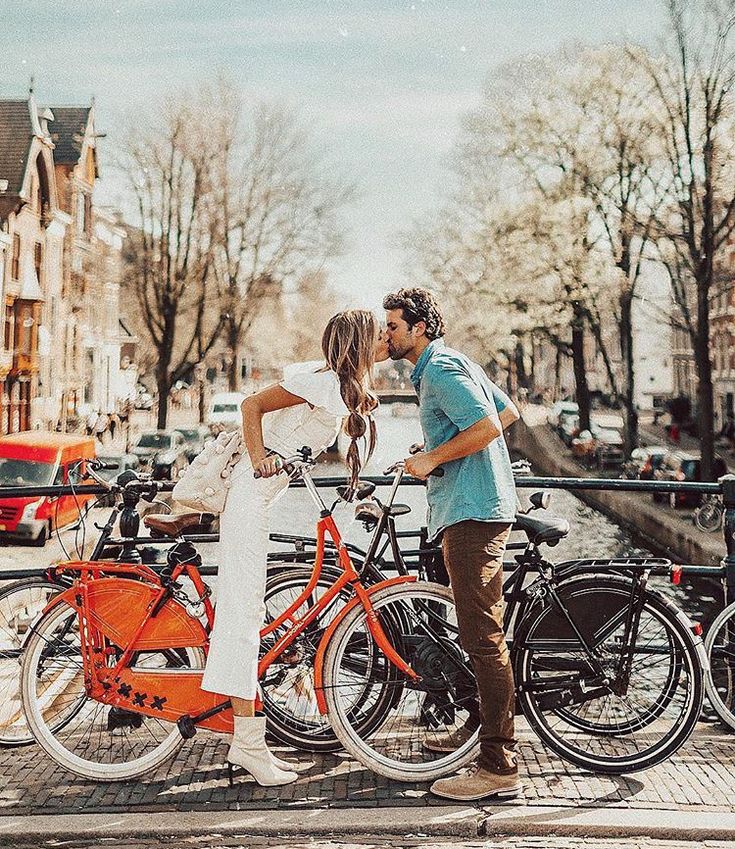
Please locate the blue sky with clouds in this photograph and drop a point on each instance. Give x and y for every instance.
(383, 84)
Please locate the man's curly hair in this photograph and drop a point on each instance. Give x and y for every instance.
(417, 305)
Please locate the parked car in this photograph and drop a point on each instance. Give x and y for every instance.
(38, 458)
(560, 408)
(568, 427)
(682, 466)
(162, 453)
(600, 447)
(643, 461)
(224, 411)
(195, 438)
(122, 462)
(143, 398)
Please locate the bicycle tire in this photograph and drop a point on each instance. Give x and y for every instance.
(376, 746)
(292, 715)
(621, 753)
(709, 517)
(719, 679)
(89, 732)
(21, 603)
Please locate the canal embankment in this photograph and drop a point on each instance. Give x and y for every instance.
(664, 530)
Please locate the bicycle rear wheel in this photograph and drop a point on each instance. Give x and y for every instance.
(421, 623)
(720, 678)
(21, 603)
(85, 736)
(582, 719)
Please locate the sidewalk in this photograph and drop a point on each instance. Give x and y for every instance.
(690, 796)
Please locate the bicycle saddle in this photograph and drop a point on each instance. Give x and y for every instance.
(370, 512)
(173, 526)
(364, 490)
(540, 530)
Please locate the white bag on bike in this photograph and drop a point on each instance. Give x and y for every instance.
(205, 484)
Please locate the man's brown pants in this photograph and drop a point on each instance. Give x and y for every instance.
(473, 554)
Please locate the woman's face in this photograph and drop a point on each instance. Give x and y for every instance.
(381, 346)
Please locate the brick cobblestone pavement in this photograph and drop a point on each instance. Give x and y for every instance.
(699, 778)
(242, 842)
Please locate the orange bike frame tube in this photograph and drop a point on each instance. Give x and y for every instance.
(349, 576)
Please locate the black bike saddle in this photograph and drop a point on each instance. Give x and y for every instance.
(538, 530)
(364, 490)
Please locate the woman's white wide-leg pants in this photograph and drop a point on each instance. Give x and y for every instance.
(232, 663)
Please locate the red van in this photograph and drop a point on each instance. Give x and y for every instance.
(37, 458)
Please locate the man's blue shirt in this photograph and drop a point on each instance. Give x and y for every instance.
(455, 393)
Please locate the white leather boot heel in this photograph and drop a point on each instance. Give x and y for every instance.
(249, 751)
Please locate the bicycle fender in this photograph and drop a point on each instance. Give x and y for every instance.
(324, 642)
(68, 595)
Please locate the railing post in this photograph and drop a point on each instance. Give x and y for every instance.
(728, 499)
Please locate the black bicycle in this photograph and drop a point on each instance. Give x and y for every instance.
(609, 673)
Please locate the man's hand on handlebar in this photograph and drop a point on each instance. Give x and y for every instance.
(421, 465)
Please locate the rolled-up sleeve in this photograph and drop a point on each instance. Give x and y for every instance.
(460, 397)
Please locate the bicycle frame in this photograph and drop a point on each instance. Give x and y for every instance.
(107, 609)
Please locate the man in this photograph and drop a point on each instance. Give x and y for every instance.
(472, 505)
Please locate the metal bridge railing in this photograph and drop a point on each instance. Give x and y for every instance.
(725, 487)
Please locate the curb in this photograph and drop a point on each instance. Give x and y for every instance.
(700, 823)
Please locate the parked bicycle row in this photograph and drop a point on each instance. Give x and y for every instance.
(609, 674)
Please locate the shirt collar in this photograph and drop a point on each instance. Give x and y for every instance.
(423, 361)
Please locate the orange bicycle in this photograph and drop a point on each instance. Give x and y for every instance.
(111, 674)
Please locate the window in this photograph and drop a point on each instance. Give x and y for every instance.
(8, 329)
(81, 211)
(38, 260)
(15, 263)
(88, 215)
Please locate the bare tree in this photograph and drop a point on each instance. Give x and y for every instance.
(279, 205)
(695, 106)
(169, 169)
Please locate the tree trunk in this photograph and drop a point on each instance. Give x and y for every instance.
(626, 349)
(705, 399)
(520, 358)
(163, 383)
(580, 370)
(557, 375)
(164, 378)
(233, 343)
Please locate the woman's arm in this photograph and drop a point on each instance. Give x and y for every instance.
(253, 409)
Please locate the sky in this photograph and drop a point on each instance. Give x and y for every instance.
(382, 85)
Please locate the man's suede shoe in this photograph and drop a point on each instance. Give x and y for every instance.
(448, 743)
(477, 784)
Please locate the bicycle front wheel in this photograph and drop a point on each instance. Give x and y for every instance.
(21, 604)
(87, 737)
(385, 719)
(289, 696)
(720, 678)
(612, 726)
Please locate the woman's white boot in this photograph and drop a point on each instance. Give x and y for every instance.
(249, 751)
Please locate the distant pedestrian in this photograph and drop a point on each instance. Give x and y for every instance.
(91, 422)
(113, 421)
(100, 426)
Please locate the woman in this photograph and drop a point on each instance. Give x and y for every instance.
(308, 407)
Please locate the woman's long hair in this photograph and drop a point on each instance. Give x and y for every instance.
(348, 344)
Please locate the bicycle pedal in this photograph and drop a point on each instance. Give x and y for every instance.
(121, 718)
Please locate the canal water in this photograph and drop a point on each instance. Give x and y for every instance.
(593, 535)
